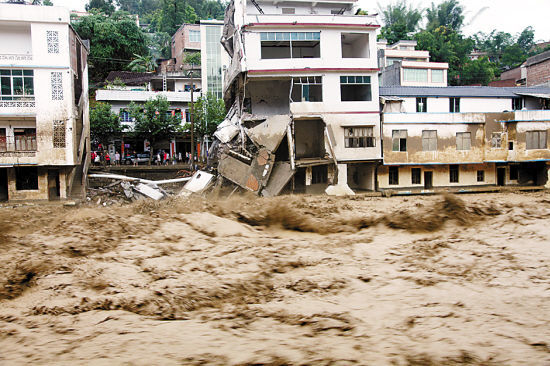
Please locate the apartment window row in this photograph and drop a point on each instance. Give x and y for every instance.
(310, 89)
(277, 45)
(429, 140)
(422, 105)
(357, 137)
(416, 175)
(16, 84)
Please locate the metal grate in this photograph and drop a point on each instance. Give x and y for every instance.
(59, 134)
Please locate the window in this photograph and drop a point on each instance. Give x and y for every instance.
(57, 85)
(194, 35)
(429, 140)
(437, 76)
(481, 175)
(394, 175)
(187, 115)
(415, 75)
(355, 45)
(290, 45)
(359, 137)
(16, 84)
(496, 140)
(536, 140)
(52, 39)
(307, 89)
(453, 173)
(59, 134)
(391, 60)
(3, 142)
(421, 105)
(415, 175)
(319, 174)
(288, 10)
(125, 116)
(355, 88)
(454, 105)
(514, 172)
(399, 140)
(25, 139)
(517, 104)
(26, 178)
(510, 145)
(463, 141)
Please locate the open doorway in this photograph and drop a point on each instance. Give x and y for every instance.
(501, 176)
(3, 184)
(428, 180)
(53, 184)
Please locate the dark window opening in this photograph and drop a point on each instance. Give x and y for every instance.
(26, 178)
(319, 174)
(309, 137)
(355, 89)
(510, 145)
(454, 105)
(355, 137)
(517, 104)
(481, 175)
(276, 45)
(399, 140)
(394, 175)
(3, 141)
(307, 89)
(415, 175)
(421, 105)
(514, 175)
(453, 173)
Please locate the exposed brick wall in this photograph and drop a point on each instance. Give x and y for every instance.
(538, 73)
(180, 42)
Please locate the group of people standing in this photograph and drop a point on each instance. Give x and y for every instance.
(101, 157)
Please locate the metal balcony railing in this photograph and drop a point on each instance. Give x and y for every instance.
(26, 101)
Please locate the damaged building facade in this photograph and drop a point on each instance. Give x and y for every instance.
(302, 88)
(44, 123)
(464, 137)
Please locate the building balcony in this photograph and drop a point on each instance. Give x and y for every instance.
(143, 95)
(17, 145)
(22, 106)
(311, 21)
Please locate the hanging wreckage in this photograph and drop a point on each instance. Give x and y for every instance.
(267, 152)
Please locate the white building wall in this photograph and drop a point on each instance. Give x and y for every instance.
(467, 105)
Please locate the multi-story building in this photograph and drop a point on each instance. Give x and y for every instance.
(464, 137)
(186, 40)
(311, 68)
(402, 64)
(124, 87)
(214, 59)
(44, 123)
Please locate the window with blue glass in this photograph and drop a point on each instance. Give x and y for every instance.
(290, 45)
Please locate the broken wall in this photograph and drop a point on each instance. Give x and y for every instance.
(269, 97)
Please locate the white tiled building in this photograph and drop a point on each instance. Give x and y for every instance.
(44, 123)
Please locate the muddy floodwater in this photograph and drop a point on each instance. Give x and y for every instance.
(293, 280)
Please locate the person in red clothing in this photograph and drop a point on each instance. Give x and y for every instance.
(107, 159)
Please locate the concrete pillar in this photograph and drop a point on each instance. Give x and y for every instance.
(62, 184)
(342, 174)
(309, 175)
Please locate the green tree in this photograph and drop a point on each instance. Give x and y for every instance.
(448, 14)
(526, 40)
(153, 121)
(104, 124)
(173, 14)
(142, 64)
(401, 21)
(42, 2)
(160, 44)
(480, 71)
(105, 6)
(192, 58)
(208, 112)
(114, 41)
(446, 45)
(512, 56)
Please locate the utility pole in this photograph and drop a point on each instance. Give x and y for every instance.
(191, 116)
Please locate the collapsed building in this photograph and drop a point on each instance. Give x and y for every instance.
(303, 89)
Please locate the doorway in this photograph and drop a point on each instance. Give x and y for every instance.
(428, 180)
(501, 176)
(3, 184)
(53, 184)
